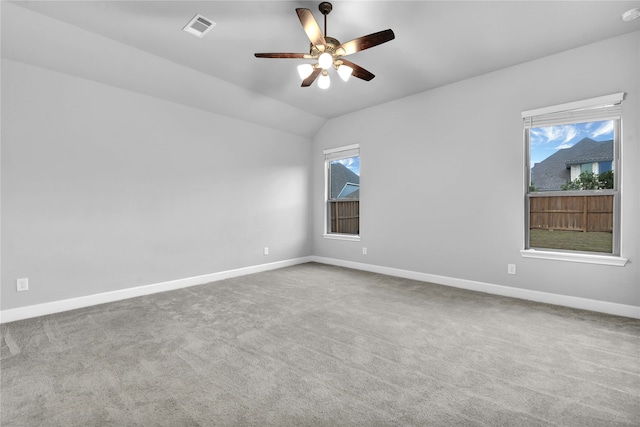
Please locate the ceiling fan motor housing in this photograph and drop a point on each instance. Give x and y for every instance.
(332, 45)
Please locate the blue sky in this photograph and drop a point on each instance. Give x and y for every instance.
(352, 163)
(547, 140)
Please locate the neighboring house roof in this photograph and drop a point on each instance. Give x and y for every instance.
(350, 191)
(341, 176)
(355, 195)
(553, 172)
(602, 153)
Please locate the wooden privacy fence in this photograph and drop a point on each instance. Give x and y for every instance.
(572, 213)
(345, 216)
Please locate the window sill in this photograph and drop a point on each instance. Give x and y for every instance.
(575, 257)
(348, 237)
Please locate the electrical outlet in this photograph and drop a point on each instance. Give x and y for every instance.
(364, 251)
(266, 250)
(22, 284)
(511, 269)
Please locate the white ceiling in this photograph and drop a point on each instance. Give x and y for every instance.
(437, 42)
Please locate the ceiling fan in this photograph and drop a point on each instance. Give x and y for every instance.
(328, 51)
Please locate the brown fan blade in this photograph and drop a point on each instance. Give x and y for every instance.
(365, 42)
(314, 75)
(358, 71)
(284, 55)
(311, 28)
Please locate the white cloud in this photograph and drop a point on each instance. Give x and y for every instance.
(605, 128)
(547, 140)
(553, 134)
(570, 133)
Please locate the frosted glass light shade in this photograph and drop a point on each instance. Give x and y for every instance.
(305, 70)
(324, 81)
(344, 72)
(325, 61)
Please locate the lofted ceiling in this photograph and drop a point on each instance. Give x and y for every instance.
(437, 42)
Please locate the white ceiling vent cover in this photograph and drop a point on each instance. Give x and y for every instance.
(199, 26)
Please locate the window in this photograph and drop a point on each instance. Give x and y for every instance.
(605, 166)
(588, 167)
(342, 178)
(572, 172)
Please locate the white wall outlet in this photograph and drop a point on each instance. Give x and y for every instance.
(266, 250)
(511, 269)
(364, 251)
(22, 284)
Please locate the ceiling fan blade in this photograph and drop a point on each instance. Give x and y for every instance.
(311, 28)
(365, 42)
(284, 55)
(314, 75)
(358, 71)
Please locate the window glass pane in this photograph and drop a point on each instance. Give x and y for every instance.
(345, 178)
(604, 167)
(575, 223)
(562, 156)
(344, 196)
(576, 158)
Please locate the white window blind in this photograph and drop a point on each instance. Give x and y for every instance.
(342, 152)
(594, 109)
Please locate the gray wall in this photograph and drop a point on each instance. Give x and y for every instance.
(105, 189)
(443, 180)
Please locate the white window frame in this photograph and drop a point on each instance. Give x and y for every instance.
(330, 155)
(600, 108)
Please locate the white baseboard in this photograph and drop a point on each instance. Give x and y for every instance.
(507, 291)
(20, 313)
(37, 310)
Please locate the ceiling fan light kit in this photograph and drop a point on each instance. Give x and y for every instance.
(344, 71)
(328, 52)
(324, 81)
(325, 60)
(305, 70)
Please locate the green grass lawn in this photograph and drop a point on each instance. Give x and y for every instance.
(571, 240)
